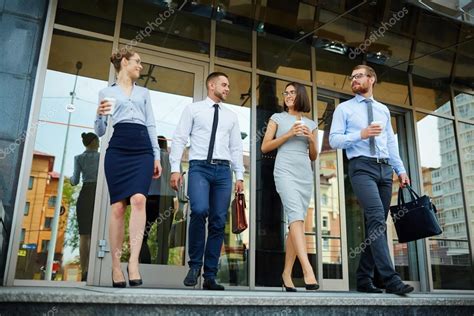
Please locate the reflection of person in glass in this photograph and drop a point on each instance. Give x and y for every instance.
(86, 164)
(295, 137)
(216, 150)
(159, 208)
(362, 126)
(131, 160)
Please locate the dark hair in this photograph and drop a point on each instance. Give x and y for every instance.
(87, 138)
(302, 103)
(214, 75)
(116, 57)
(368, 70)
(162, 142)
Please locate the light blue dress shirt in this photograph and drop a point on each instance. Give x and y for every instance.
(135, 108)
(350, 117)
(86, 163)
(196, 124)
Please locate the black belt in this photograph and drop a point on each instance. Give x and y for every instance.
(384, 161)
(214, 162)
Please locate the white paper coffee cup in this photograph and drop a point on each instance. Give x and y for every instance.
(112, 102)
(302, 123)
(379, 123)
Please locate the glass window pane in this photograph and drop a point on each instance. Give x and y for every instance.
(449, 252)
(67, 50)
(404, 254)
(464, 71)
(90, 15)
(164, 240)
(234, 264)
(283, 56)
(164, 25)
(464, 104)
(234, 44)
(329, 191)
(466, 144)
(391, 86)
(431, 95)
(285, 17)
(429, 30)
(271, 220)
(342, 30)
(390, 49)
(332, 67)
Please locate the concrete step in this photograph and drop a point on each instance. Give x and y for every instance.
(103, 301)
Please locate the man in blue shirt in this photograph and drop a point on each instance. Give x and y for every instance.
(362, 127)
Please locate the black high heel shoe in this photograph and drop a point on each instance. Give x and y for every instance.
(135, 282)
(311, 287)
(120, 284)
(287, 288)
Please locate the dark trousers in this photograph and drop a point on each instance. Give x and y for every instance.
(372, 184)
(159, 210)
(209, 190)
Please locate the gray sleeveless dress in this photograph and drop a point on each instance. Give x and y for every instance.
(293, 174)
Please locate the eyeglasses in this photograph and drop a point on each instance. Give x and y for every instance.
(357, 76)
(138, 61)
(287, 93)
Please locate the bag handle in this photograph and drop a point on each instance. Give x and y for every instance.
(413, 194)
(240, 196)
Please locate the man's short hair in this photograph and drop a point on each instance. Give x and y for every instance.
(214, 75)
(369, 71)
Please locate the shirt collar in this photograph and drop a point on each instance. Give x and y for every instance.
(361, 98)
(115, 84)
(211, 103)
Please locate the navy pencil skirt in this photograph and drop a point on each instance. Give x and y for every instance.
(128, 162)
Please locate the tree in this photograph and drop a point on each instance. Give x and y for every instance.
(71, 238)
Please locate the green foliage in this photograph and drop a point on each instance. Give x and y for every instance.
(71, 238)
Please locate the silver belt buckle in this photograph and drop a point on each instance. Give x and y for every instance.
(213, 162)
(380, 160)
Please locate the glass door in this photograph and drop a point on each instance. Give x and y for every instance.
(331, 213)
(404, 255)
(173, 84)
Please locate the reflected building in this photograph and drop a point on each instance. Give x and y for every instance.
(38, 216)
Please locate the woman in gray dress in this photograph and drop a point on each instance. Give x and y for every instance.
(295, 137)
(86, 164)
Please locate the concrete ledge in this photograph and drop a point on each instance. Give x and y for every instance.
(109, 301)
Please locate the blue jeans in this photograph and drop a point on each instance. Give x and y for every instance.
(372, 184)
(209, 190)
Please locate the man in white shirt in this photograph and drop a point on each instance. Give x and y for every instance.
(216, 150)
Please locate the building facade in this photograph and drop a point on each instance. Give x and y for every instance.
(424, 61)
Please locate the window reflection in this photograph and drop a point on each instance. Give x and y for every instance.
(329, 191)
(165, 234)
(234, 263)
(166, 25)
(234, 44)
(69, 263)
(90, 15)
(404, 254)
(464, 104)
(449, 252)
(392, 85)
(283, 57)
